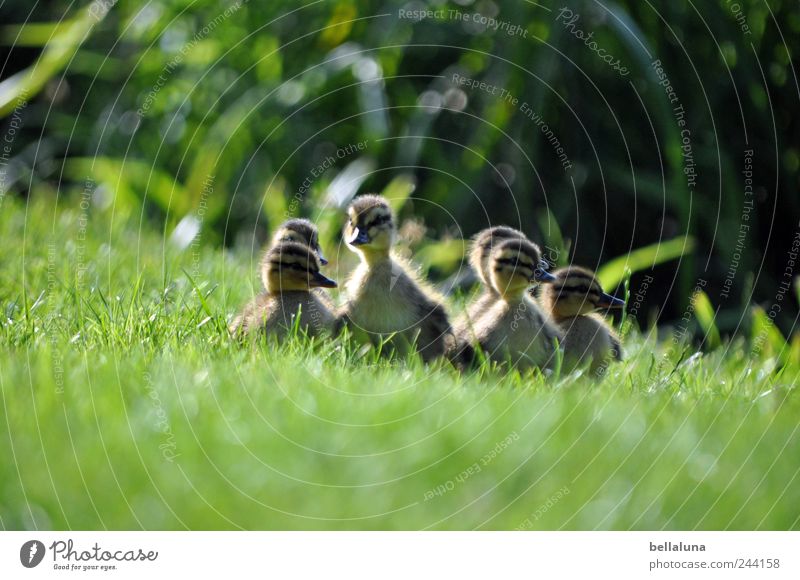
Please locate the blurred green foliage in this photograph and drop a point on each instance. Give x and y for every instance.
(235, 115)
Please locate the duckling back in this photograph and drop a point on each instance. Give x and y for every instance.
(518, 331)
(589, 338)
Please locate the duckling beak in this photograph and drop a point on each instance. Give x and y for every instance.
(318, 280)
(608, 301)
(359, 237)
(542, 275)
(322, 259)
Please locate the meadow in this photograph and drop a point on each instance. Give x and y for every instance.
(125, 405)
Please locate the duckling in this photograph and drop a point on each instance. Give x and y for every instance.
(481, 249)
(572, 300)
(302, 231)
(514, 326)
(384, 296)
(289, 271)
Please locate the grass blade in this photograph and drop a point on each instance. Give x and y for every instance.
(613, 271)
(705, 314)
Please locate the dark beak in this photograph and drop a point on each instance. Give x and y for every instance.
(541, 275)
(608, 301)
(320, 281)
(359, 237)
(322, 259)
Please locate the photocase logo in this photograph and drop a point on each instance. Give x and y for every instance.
(31, 553)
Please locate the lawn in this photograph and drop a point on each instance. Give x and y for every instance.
(125, 405)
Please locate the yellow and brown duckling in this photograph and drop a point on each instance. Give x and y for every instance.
(301, 231)
(514, 327)
(384, 295)
(304, 232)
(479, 258)
(289, 271)
(573, 300)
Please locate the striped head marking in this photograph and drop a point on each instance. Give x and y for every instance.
(482, 245)
(301, 231)
(515, 265)
(576, 291)
(370, 224)
(291, 266)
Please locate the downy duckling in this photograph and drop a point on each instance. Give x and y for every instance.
(572, 300)
(514, 327)
(301, 231)
(383, 295)
(480, 252)
(289, 271)
(304, 232)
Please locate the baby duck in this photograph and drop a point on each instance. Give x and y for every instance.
(481, 250)
(304, 232)
(289, 271)
(571, 300)
(301, 231)
(513, 326)
(383, 295)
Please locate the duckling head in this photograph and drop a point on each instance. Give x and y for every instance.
(301, 231)
(482, 245)
(291, 266)
(515, 265)
(576, 291)
(370, 228)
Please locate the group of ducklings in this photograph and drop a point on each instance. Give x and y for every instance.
(387, 301)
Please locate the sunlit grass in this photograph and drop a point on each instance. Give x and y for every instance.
(125, 405)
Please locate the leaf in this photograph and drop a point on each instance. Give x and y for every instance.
(444, 255)
(765, 335)
(794, 349)
(613, 271)
(338, 28)
(269, 67)
(705, 314)
(63, 43)
(32, 33)
(555, 250)
(133, 179)
(398, 190)
(223, 147)
(345, 185)
(274, 202)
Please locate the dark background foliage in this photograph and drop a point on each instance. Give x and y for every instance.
(147, 103)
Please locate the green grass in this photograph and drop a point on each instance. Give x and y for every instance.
(124, 405)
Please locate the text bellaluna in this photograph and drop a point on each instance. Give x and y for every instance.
(679, 547)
